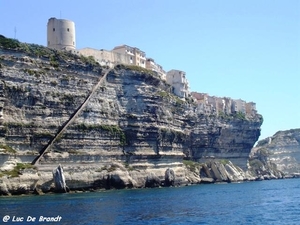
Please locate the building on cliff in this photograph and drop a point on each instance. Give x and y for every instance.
(152, 65)
(123, 54)
(251, 108)
(215, 105)
(177, 79)
(135, 55)
(239, 106)
(103, 57)
(111, 58)
(61, 34)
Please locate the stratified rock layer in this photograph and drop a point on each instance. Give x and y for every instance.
(279, 153)
(131, 120)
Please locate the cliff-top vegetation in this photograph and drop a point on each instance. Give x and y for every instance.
(55, 56)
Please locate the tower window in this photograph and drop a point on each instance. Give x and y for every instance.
(68, 29)
(53, 29)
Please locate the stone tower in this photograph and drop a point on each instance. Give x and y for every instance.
(61, 34)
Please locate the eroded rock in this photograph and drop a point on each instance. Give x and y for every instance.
(152, 181)
(169, 177)
(59, 180)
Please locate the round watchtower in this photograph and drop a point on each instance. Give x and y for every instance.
(61, 34)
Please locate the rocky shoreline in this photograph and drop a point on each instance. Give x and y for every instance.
(117, 175)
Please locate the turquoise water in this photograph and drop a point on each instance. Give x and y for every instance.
(265, 202)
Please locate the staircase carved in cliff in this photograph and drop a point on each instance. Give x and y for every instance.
(70, 120)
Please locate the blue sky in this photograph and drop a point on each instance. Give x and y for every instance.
(238, 49)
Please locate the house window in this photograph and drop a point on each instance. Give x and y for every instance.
(53, 29)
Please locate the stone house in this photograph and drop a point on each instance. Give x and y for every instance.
(107, 58)
(103, 57)
(177, 79)
(202, 102)
(135, 55)
(123, 55)
(251, 108)
(239, 106)
(220, 105)
(152, 65)
(215, 105)
(228, 106)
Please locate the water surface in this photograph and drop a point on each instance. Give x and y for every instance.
(265, 202)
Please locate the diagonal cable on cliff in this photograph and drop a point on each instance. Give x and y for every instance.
(70, 120)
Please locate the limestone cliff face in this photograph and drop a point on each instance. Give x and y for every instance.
(230, 138)
(280, 153)
(131, 118)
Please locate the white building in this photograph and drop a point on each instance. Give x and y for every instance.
(178, 81)
(228, 106)
(152, 65)
(135, 55)
(103, 57)
(61, 34)
(202, 102)
(239, 106)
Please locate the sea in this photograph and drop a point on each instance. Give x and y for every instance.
(259, 202)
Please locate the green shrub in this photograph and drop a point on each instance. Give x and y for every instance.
(256, 164)
(178, 101)
(111, 129)
(240, 115)
(89, 60)
(8, 149)
(264, 152)
(8, 43)
(138, 69)
(222, 115)
(163, 94)
(54, 61)
(224, 161)
(16, 171)
(191, 165)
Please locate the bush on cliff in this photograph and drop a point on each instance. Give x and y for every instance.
(17, 170)
(7, 149)
(111, 129)
(192, 166)
(55, 56)
(9, 43)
